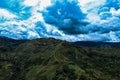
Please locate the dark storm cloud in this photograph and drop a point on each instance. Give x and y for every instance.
(67, 16)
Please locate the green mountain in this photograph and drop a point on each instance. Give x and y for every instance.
(106, 45)
(51, 59)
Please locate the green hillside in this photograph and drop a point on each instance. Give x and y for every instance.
(51, 59)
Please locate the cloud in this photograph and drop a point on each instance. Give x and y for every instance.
(30, 2)
(6, 15)
(66, 16)
(71, 20)
(113, 3)
(17, 7)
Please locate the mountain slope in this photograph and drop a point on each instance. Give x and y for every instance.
(98, 44)
(50, 59)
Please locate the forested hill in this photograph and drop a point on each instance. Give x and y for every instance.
(51, 59)
(107, 45)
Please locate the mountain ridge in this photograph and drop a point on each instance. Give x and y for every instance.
(51, 59)
(78, 43)
(98, 44)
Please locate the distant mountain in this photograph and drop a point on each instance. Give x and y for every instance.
(8, 43)
(98, 44)
(51, 59)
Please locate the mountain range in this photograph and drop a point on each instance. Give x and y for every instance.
(98, 44)
(52, 59)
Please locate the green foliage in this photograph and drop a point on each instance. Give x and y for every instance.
(50, 59)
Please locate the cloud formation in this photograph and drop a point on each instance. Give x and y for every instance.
(71, 20)
(66, 16)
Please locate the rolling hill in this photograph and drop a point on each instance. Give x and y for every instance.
(51, 59)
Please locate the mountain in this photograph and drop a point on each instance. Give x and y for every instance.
(51, 59)
(98, 44)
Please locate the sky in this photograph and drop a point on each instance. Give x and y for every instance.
(71, 20)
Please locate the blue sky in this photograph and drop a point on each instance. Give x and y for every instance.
(71, 20)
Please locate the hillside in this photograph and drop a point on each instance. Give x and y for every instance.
(108, 45)
(51, 59)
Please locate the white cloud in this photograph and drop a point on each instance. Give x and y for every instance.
(31, 33)
(6, 14)
(115, 12)
(93, 18)
(44, 4)
(84, 2)
(91, 5)
(91, 8)
(31, 2)
(113, 37)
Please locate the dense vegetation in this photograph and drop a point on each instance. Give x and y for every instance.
(107, 45)
(50, 59)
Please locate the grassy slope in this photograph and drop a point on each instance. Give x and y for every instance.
(50, 59)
